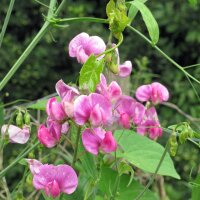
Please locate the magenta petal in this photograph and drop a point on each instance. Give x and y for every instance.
(80, 40)
(53, 189)
(159, 93)
(82, 109)
(138, 112)
(95, 45)
(45, 137)
(95, 116)
(143, 93)
(81, 55)
(125, 69)
(124, 121)
(55, 130)
(65, 128)
(108, 144)
(91, 141)
(114, 91)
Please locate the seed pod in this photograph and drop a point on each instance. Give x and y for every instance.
(27, 118)
(19, 119)
(173, 144)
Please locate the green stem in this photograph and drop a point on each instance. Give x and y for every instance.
(155, 173)
(76, 147)
(10, 8)
(4, 171)
(163, 54)
(190, 66)
(31, 46)
(113, 48)
(78, 19)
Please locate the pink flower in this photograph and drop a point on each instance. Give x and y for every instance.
(154, 92)
(111, 92)
(55, 110)
(93, 108)
(53, 179)
(16, 134)
(150, 124)
(83, 45)
(50, 136)
(125, 69)
(129, 110)
(98, 139)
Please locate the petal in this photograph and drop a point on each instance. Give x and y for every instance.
(138, 112)
(159, 93)
(65, 128)
(143, 93)
(91, 141)
(108, 144)
(63, 89)
(55, 130)
(96, 116)
(80, 40)
(124, 121)
(81, 55)
(114, 91)
(34, 165)
(45, 137)
(125, 69)
(82, 109)
(95, 45)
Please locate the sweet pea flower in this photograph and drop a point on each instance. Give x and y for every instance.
(53, 179)
(98, 139)
(83, 45)
(94, 108)
(16, 134)
(55, 110)
(125, 69)
(150, 124)
(111, 92)
(154, 92)
(129, 110)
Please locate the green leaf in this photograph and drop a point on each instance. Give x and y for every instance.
(90, 73)
(132, 12)
(196, 188)
(41, 104)
(107, 183)
(149, 20)
(144, 153)
(1, 113)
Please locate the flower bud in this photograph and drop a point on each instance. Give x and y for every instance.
(27, 118)
(112, 62)
(19, 119)
(173, 144)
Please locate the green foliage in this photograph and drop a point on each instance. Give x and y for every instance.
(196, 188)
(149, 20)
(144, 153)
(107, 184)
(90, 73)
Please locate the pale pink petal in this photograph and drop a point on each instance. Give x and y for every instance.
(95, 45)
(65, 128)
(68, 108)
(125, 69)
(34, 165)
(82, 109)
(96, 116)
(108, 144)
(81, 55)
(63, 89)
(80, 40)
(143, 93)
(138, 112)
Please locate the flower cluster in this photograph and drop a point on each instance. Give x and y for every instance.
(96, 113)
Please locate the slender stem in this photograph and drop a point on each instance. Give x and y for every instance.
(155, 173)
(79, 19)
(163, 53)
(4, 171)
(31, 46)
(190, 66)
(113, 48)
(10, 8)
(76, 147)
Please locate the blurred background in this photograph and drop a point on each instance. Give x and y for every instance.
(179, 23)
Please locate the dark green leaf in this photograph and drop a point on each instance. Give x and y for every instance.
(144, 153)
(196, 188)
(90, 73)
